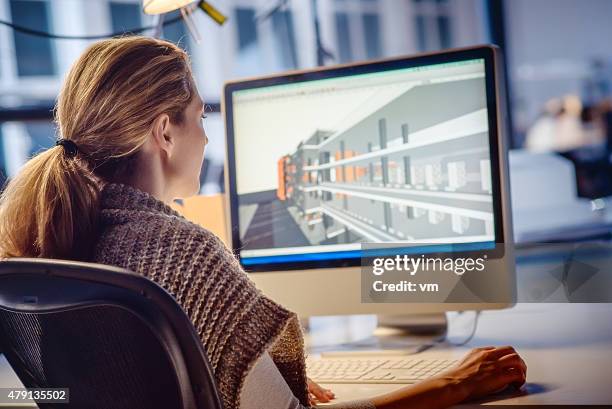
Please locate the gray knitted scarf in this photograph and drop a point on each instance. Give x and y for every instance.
(234, 320)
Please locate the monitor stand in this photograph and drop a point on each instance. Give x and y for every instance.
(418, 324)
(392, 334)
(408, 334)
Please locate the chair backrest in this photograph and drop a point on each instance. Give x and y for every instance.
(114, 338)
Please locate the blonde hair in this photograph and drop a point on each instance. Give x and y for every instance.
(107, 106)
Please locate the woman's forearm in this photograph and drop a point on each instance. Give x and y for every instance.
(482, 372)
(434, 393)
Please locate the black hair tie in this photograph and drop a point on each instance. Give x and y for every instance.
(70, 148)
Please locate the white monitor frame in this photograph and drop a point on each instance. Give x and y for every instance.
(337, 291)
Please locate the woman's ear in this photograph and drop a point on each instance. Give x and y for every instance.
(163, 134)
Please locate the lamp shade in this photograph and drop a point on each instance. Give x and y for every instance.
(163, 6)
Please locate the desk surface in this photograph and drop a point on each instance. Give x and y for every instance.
(567, 347)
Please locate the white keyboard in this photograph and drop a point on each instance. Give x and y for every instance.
(375, 370)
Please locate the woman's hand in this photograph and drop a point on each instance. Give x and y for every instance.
(318, 394)
(487, 370)
(482, 372)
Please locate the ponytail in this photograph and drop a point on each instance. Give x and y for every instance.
(49, 209)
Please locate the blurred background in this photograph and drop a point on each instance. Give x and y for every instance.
(558, 63)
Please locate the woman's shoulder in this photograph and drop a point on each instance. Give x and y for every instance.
(170, 250)
(135, 227)
(125, 210)
(161, 231)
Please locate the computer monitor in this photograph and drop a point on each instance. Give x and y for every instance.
(407, 149)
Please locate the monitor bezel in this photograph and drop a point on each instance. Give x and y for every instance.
(492, 82)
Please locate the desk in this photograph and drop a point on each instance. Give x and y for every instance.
(567, 347)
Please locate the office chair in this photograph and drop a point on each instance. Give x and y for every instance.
(114, 338)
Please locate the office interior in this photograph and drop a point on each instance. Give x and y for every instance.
(558, 80)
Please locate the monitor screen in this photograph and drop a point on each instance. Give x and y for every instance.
(320, 165)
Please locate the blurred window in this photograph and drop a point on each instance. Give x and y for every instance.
(125, 16)
(433, 24)
(246, 27)
(34, 54)
(344, 37)
(176, 32)
(371, 32)
(284, 36)
(19, 141)
(358, 30)
(253, 42)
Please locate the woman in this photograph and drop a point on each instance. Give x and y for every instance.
(132, 140)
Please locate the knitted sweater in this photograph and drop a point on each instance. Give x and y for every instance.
(234, 320)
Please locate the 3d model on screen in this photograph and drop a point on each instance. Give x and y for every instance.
(410, 164)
